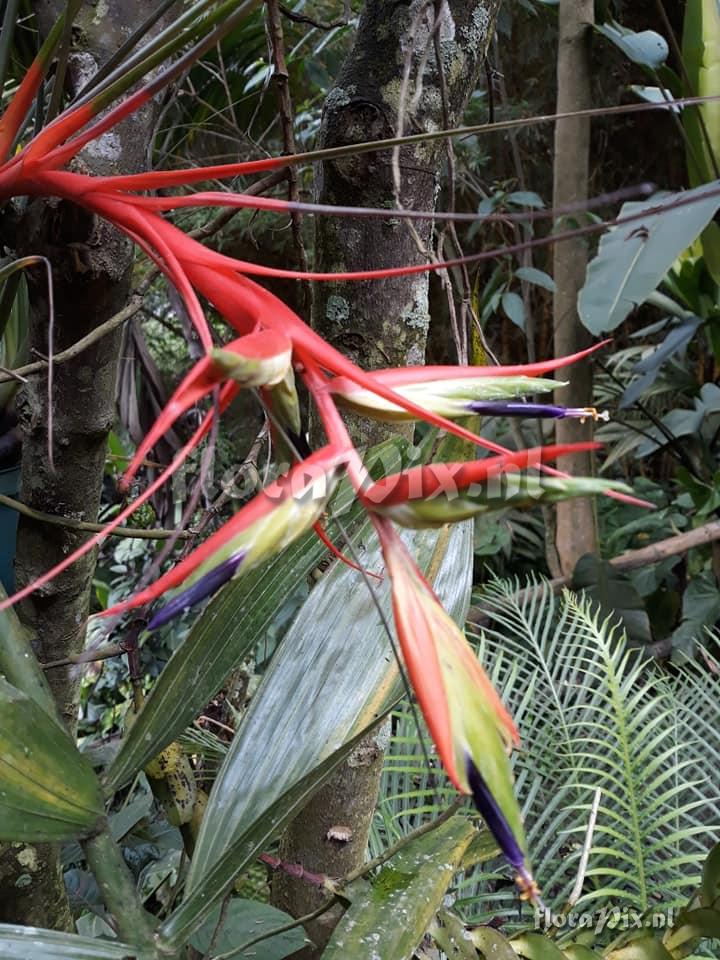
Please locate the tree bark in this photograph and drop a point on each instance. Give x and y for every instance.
(378, 323)
(575, 519)
(92, 266)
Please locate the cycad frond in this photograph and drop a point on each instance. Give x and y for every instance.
(594, 716)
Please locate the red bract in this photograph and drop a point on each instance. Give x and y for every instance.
(469, 724)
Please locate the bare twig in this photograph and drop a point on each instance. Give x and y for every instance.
(85, 526)
(39, 366)
(87, 656)
(318, 24)
(631, 560)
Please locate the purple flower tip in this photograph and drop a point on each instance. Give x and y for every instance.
(494, 819)
(517, 408)
(205, 587)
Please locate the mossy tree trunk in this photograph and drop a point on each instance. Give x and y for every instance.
(380, 323)
(92, 266)
(575, 519)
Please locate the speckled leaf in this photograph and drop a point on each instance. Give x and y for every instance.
(646, 948)
(536, 946)
(491, 944)
(48, 790)
(24, 943)
(388, 916)
(333, 674)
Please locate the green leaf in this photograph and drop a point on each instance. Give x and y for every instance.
(647, 48)
(700, 924)
(537, 277)
(514, 309)
(48, 790)
(711, 877)
(646, 948)
(244, 920)
(614, 593)
(578, 951)
(18, 663)
(245, 847)
(449, 933)
(491, 944)
(23, 943)
(411, 885)
(231, 626)
(333, 676)
(633, 258)
(536, 946)
(300, 715)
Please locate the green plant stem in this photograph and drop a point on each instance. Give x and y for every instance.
(133, 923)
(403, 842)
(84, 525)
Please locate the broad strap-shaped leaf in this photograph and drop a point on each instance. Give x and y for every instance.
(48, 790)
(331, 676)
(231, 626)
(645, 948)
(23, 943)
(536, 946)
(244, 920)
(410, 886)
(633, 258)
(700, 924)
(331, 681)
(18, 663)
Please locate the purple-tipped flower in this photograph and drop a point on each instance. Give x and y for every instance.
(517, 408)
(204, 587)
(497, 825)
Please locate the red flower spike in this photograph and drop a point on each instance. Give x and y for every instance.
(255, 360)
(421, 483)
(403, 376)
(22, 100)
(227, 395)
(266, 528)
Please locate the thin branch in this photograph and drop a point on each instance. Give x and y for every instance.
(284, 928)
(404, 841)
(630, 560)
(39, 366)
(84, 526)
(86, 656)
(318, 24)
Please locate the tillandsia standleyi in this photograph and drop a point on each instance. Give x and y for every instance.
(472, 730)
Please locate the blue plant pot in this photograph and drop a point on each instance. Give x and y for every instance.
(10, 486)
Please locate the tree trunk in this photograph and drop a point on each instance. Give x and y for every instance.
(92, 267)
(576, 525)
(378, 323)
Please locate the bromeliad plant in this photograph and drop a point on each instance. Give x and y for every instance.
(472, 730)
